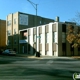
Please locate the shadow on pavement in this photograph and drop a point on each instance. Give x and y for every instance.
(5, 62)
(4, 59)
(11, 59)
(58, 59)
(54, 72)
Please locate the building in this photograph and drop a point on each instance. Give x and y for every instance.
(51, 40)
(2, 33)
(18, 21)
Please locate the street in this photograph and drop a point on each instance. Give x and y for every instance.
(23, 68)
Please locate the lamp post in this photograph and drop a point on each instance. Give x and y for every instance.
(35, 7)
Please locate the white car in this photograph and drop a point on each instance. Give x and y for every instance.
(9, 52)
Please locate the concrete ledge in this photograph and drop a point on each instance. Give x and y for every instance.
(76, 57)
(34, 57)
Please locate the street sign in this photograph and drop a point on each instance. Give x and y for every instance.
(38, 36)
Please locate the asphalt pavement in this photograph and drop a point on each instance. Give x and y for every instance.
(25, 68)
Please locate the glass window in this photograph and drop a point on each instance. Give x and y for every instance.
(28, 38)
(25, 35)
(55, 37)
(40, 22)
(47, 37)
(29, 47)
(8, 42)
(14, 31)
(63, 27)
(63, 37)
(15, 41)
(44, 22)
(34, 38)
(9, 23)
(40, 39)
(9, 32)
(15, 21)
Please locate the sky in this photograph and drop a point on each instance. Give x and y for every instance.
(65, 9)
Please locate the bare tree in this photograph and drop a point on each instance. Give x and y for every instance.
(76, 19)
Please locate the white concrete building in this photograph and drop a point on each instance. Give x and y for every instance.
(51, 40)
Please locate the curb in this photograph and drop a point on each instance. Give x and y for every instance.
(29, 56)
(35, 57)
(76, 57)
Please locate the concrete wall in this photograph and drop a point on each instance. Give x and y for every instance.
(17, 26)
(59, 25)
(46, 49)
(2, 33)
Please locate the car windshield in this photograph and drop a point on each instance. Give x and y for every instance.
(10, 50)
(6, 50)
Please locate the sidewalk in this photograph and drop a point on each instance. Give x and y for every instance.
(28, 56)
(47, 57)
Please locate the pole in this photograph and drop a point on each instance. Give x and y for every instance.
(36, 30)
(35, 22)
(0, 33)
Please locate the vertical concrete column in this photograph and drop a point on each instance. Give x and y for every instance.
(31, 41)
(50, 40)
(56, 53)
(38, 39)
(59, 36)
(43, 39)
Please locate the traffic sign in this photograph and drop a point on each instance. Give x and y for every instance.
(38, 36)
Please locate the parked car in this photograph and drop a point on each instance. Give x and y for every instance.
(9, 52)
(1, 51)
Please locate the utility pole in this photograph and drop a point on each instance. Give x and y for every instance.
(35, 7)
